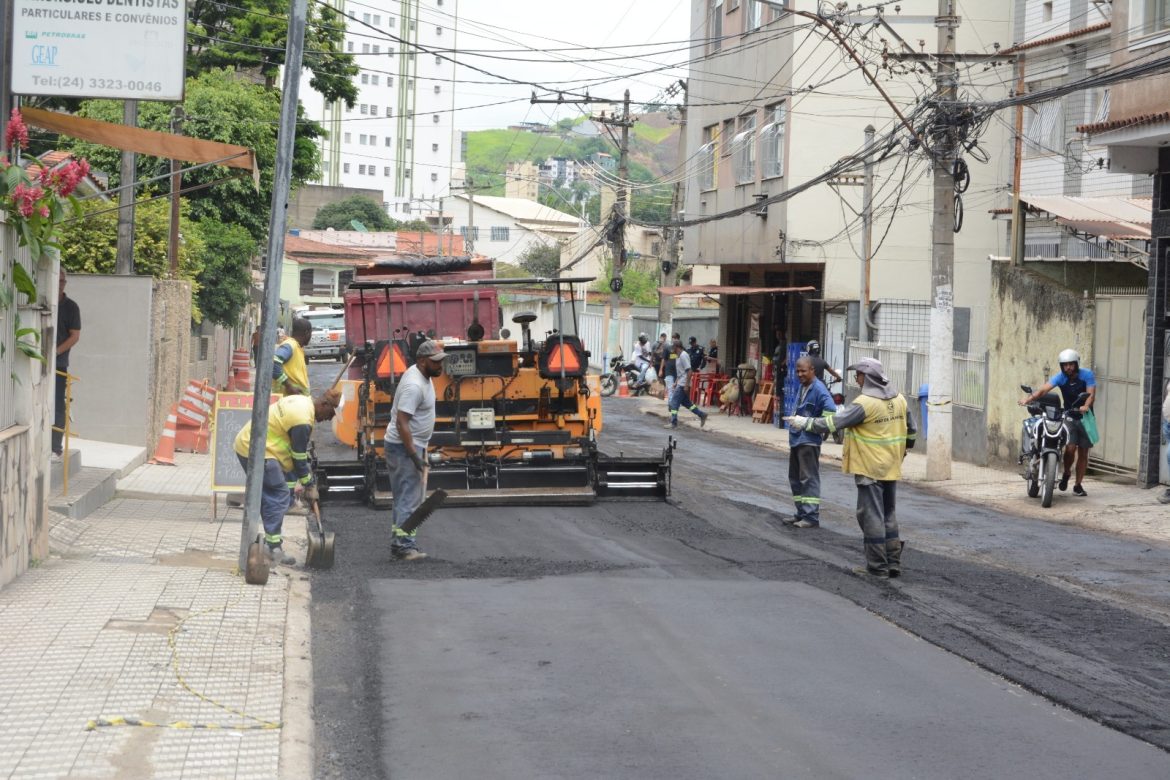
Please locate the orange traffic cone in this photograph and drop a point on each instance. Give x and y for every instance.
(165, 453)
(623, 387)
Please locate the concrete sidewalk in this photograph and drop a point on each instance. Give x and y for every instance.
(136, 650)
(1110, 506)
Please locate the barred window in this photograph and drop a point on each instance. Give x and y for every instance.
(772, 143)
(469, 232)
(1044, 132)
(745, 150)
(500, 233)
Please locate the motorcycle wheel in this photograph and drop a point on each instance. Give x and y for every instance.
(1049, 479)
(609, 384)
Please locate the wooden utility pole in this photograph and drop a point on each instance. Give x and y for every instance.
(124, 261)
(176, 188)
(670, 265)
(942, 265)
(866, 236)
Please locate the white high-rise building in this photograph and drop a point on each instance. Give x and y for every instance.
(399, 136)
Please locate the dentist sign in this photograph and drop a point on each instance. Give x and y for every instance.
(130, 49)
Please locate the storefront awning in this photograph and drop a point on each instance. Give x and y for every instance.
(721, 289)
(150, 142)
(1115, 218)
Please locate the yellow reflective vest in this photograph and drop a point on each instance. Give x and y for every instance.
(875, 448)
(295, 368)
(283, 416)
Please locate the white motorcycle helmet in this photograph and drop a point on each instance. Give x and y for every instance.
(1069, 356)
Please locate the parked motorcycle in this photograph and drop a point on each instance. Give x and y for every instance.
(620, 371)
(1043, 439)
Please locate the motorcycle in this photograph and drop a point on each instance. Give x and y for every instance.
(1043, 440)
(620, 371)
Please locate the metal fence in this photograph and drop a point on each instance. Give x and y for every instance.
(909, 370)
(591, 330)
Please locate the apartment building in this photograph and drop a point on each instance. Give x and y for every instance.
(1135, 132)
(399, 136)
(774, 102)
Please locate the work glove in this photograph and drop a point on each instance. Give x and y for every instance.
(796, 422)
(310, 494)
(418, 462)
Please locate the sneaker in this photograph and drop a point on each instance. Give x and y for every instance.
(57, 457)
(1164, 498)
(407, 553)
(1079, 491)
(670, 425)
(865, 571)
(1064, 483)
(895, 573)
(298, 508)
(277, 555)
(805, 524)
(702, 421)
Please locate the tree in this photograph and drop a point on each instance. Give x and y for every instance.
(220, 106)
(226, 279)
(89, 243)
(639, 281)
(541, 259)
(250, 35)
(340, 214)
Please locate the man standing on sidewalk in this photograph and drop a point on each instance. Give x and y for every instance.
(679, 395)
(286, 461)
(412, 421)
(290, 370)
(878, 431)
(68, 334)
(813, 400)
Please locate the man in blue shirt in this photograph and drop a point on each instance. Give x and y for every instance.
(1071, 382)
(813, 400)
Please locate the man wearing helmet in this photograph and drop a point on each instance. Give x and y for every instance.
(1072, 381)
(819, 364)
(642, 357)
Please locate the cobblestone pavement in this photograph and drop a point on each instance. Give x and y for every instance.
(139, 616)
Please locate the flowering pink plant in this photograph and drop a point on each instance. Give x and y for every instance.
(35, 201)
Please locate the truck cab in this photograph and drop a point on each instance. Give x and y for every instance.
(328, 339)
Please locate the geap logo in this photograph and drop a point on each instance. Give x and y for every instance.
(44, 56)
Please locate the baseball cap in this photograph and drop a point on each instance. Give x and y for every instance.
(431, 349)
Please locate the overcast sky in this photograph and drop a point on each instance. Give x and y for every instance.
(515, 24)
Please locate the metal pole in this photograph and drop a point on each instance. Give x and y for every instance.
(442, 228)
(281, 184)
(866, 234)
(124, 263)
(469, 243)
(6, 10)
(176, 187)
(942, 270)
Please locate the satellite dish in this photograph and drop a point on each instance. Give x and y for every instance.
(358, 226)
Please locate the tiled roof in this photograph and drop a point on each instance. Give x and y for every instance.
(295, 245)
(1120, 124)
(427, 244)
(1057, 38)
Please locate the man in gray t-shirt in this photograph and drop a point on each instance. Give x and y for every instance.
(412, 421)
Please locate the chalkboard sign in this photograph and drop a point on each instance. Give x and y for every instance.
(232, 412)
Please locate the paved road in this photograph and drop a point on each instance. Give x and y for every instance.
(701, 639)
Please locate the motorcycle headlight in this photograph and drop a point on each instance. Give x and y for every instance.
(1053, 427)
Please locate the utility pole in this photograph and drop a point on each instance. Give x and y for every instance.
(469, 242)
(176, 188)
(618, 223)
(670, 266)
(124, 261)
(277, 220)
(942, 265)
(442, 228)
(866, 236)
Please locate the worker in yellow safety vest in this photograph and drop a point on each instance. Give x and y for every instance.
(290, 369)
(878, 430)
(286, 460)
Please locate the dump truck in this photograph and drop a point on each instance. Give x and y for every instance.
(518, 419)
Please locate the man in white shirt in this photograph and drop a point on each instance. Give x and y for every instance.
(412, 421)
